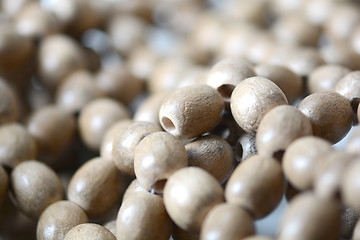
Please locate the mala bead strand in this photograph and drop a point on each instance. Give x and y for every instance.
(91, 182)
(227, 221)
(191, 111)
(256, 185)
(89, 231)
(125, 144)
(189, 194)
(252, 98)
(213, 154)
(156, 158)
(330, 114)
(285, 121)
(4, 183)
(311, 217)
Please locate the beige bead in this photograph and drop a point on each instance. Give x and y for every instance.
(252, 98)
(111, 226)
(340, 53)
(256, 185)
(189, 195)
(12, 7)
(349, 219)
(356, 232)
(258, 237)
(107, 142)
(349, 87)
(59, 56)
(76, 90)
(125, 144)
(350, 190)
(9, 109)
(318, 11)
(303, 60)
(227, 221)
(226, 74)
(310, 217)
(353, 143)
(330, 114)
(16, 145)
(325, 78)
(96, 118)
(260, 46)
(58, 219)
(143, 216)
(191, 111)
(290, 83)
(213, 154)
(142, 62)
(118, 82)
(89, 231)
(4, 183)
(34, 187)
(133, 188)
(156, 158)
(301, 158)
(245, 147)
(279, 128)
(93, 181)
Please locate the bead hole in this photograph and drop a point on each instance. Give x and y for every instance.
(226, 90)
(168, 124)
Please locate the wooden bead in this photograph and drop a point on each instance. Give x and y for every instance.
(256, 185)
(279, 128)
(51, 140)
(330, 114)
(301, 158)
(325, 78)
(329, 172)
(4, 183)
(107, 142)
(303, 61)
(9, 110)
(358, 113)
(89, 231)
(252, 98)
(142, 62)
(349, 87)
(111, 226)
(356, 232)
(191, 111)
(245, 147)
(11, 7)
(189, 195)
(258, 237)
(91, 182)
(213, 154)
(156, 158)
(34, 187)
(225, 75)
(227, 221)
(311, 217)
(349, 219)
(96, 117)
(148, 110)
(318, 11)
(260, 47)
(143, 216)
(340, 53)
(59, 56)
(16, 145)
(350, 190)
(119, 83)
(125, 144)
(133, 188)
(77, 90)
(58, 219)
(290, 83)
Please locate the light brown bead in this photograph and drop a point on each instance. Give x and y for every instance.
(125, 144)
(107, 142)
(330, 171)
(349, 219)
(76, 90)
(34, 187)
(318, 11)
(59, 56)
(89, 231)
(356, 232)
(191, 111)
(133, 188)
(96, 117)
(303, 61)
(252, 98)
(16, 145)
(279, 128)
(119, 83)
(189, 195)
(256, 185)
(358, 113)
(245, 147)
(143, 216)
(258, 237)
(93, 181)
(301, 158)
(226, 74)
(350, 190)
(310, 217)
(290, 83)
(51, 139)
(325, 77)
(353, 143)
(227, 221)
(330, 114)
(213, 154)
(156, 158)
(142, 62)
(4, 183)
(148, 110)
(9, 109)
(349, 87)
(58, 219)
(12, 7)
(111, 226)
